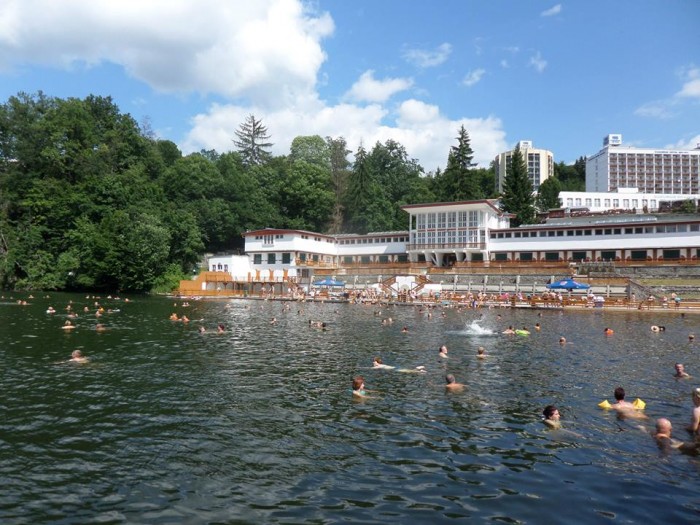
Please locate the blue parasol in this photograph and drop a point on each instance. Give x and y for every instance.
(329, 282)
(568, 284)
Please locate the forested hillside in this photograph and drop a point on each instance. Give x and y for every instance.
(91, 201)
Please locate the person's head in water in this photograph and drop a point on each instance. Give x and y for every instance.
(449, 379)
(620, 393)
(551, 412)
(358, 382)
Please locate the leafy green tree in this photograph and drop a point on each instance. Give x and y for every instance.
(311, 149)
(308, 196)
(571, 177)
(548, 194)
(394, 172)
(460, 181)
(252, 142)
(517, 195)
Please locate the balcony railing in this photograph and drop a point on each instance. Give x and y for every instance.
(448, 246)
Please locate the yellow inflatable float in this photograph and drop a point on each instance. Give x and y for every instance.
(637, 403)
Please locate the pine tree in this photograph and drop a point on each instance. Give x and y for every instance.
(518, 195)
(459, 180)
(251, 143)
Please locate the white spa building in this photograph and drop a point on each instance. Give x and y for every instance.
(471, 233)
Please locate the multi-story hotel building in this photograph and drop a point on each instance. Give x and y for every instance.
(650, 171)
(540, 164)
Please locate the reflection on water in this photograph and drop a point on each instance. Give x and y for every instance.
(169, 425)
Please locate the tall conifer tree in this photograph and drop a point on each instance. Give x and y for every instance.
(518, 195)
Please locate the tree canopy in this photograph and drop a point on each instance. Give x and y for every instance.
(90, 200)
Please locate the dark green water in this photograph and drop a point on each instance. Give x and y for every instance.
(258, 425)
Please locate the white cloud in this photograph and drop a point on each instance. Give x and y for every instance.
(691, 87)
(670, 107)
(690, 143)
(538, 62)
(369, 89)
(660, 109)
(473, 77)
(552, 11)
(505, 64)
(426, 58)
(268, 50)
(262, 57)
(425, 133)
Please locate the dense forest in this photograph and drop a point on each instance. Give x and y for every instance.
(90, 200)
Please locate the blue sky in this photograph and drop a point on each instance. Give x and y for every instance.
(561, 74)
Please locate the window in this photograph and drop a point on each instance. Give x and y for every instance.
(477, 257)
(347, 259)
(638, 255)
(560, 233)
(383, 258)
(551, 256)
(608, 255)
(578, 256)
(672, 254)
(271, 258)
(473, 219)
(526, 256)
(500, 256)
(257, 258)
(364, 259)
(286, 258)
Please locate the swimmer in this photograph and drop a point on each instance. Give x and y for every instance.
(220, 328)
(608, 331)
(50, 310)
(417, 370)
(694, 427)
(201, 329)
(509, 330)
(443, 351)
(99, 327)
(451, 384)
(78, 357)
(562, 340)
(185, 319)
(551, 416)
(173, 317)
(680, 371)
(358, 387)
(377, 363)
(273, 320)
(68, 326)
(691, 337)
(537, 326)
(665, 441)
(655, 328)
(481, 353)
(625, 408)
(404, 330)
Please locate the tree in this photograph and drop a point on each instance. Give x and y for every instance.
(251, 143)
(459, 181)
(340, 169)
(548, 194)
(517, 195)
(312, 149)
(364, 206)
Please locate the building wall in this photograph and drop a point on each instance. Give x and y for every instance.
(540, 164)
(623, 200)
(660, 171)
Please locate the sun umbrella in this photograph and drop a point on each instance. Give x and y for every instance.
(567, 284)
(329, 282)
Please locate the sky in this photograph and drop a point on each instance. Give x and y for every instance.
(560, 74)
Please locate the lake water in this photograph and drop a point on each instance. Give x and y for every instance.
(258, 424)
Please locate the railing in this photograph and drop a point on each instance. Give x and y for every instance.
(459, 246)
